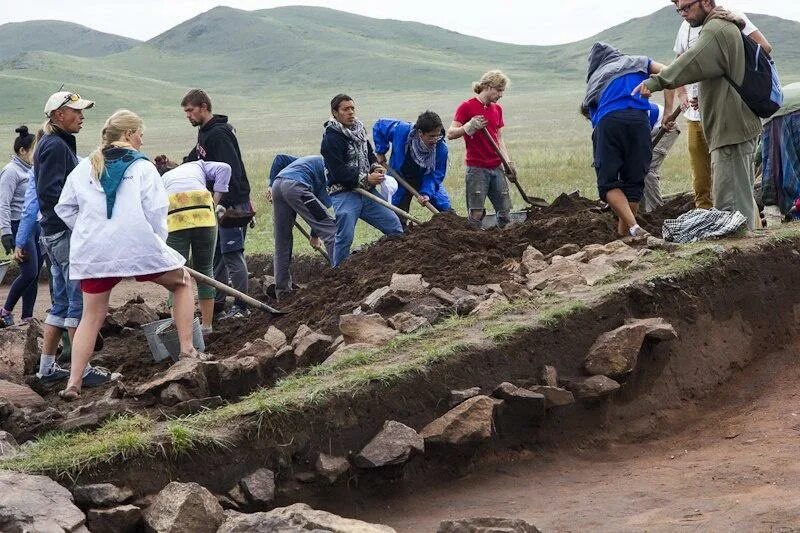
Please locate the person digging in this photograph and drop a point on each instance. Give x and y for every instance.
(621, 136)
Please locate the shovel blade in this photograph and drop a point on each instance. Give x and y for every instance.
(517, 217)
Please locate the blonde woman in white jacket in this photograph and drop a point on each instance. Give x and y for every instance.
(116, 206)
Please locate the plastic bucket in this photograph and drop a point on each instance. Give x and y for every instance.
(163, 341)
(3, 269)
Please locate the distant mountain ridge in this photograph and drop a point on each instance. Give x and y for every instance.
(57, 36)
(311, 50)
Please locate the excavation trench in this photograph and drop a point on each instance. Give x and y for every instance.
(728, 314)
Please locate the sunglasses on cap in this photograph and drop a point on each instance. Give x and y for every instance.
(71, 97)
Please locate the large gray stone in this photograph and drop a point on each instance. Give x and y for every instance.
(514, 291)
(259, 487)
(8, 444)
(409, 283)
(120, 519)
(173, 394)
(184, 508)
(533, 402)
(459, 396)
(236, 522)
(310, 347)
(133, 315)
(487, 525)
(554, 396)
(12, 354)
(469, 422)
(190, 372)
(331, 467)
(405, 322)
(369, 329)
(443, 295)
(466, 304)
(485, 308)
(655, 328)
(101, 495)
(593, 387)
(393, 445)
(301, 515)
(374, 298)
(532, 261)
(615, 352)
(36, 504)
(20, 396)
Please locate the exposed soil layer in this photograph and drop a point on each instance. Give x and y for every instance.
(725, 316)
(446, 251)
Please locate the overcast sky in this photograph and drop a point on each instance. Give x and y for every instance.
(517, 21)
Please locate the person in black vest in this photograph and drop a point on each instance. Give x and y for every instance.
(216, 141)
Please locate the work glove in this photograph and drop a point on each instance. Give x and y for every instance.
(8, 243)
(474, 124)
(220, 210)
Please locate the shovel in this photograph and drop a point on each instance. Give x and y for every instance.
(302, 230)
(202, 278)
(534, 201)
(407, 186)
(386, 204)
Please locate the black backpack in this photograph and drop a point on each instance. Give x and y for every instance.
(761, 87)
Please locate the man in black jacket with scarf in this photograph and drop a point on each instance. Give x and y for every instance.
(350, 162)
(216, 141)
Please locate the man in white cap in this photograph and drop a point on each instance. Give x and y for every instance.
(53, 160)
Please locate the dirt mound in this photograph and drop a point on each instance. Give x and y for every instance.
(654, 221)
(446, 251)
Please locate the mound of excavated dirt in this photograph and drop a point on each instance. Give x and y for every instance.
(447, 252)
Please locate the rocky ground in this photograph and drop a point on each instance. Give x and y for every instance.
(497, 299)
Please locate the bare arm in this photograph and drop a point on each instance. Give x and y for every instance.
(759, 38)
(455, 131)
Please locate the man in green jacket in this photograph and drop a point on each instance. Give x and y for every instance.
(730, 127)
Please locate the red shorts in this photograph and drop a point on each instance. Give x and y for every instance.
(101, 285)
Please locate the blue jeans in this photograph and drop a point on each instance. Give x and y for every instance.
(67, 296)
(349, 207)
(26, 284)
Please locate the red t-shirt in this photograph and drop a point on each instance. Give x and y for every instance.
(479, 152)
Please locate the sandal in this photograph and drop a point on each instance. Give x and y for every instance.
(70, 394)
(196, 355)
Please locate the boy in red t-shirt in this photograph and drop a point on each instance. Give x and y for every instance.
(485, 175)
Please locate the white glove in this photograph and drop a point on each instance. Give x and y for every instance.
(220, 211)
(473, 125)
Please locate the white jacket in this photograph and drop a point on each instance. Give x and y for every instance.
(132, 241)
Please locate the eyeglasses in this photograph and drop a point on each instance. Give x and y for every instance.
(686, 8)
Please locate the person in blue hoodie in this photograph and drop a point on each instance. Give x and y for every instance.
(297, 186)
(419, 155)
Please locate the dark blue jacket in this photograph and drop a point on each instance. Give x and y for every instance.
(388, 131)
(341, 165)
(308, 170)
(53, 160)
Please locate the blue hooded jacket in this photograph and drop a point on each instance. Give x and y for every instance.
(389, 131)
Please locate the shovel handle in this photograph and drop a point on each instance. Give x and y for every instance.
(386, 204)
(202, 278)
(661, 131)
(407, 186)
(538, 202)
(302, 230)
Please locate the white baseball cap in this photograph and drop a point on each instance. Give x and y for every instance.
(66, 99)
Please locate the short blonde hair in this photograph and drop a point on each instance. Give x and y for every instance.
(493, 79)
(114, 130)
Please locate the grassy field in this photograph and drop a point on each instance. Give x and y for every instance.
(549, 142)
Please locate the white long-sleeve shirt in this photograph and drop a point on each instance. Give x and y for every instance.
(133, 241)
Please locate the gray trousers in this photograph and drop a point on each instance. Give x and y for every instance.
(732, 189)
(289, 199)
(652, 182)
(230, 266)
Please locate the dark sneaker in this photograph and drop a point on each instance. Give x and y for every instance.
(6, 319)
(98, 375)
(55, 375)
(234, 312)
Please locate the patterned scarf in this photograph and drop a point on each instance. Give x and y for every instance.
(357, 134)
(423, 155)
